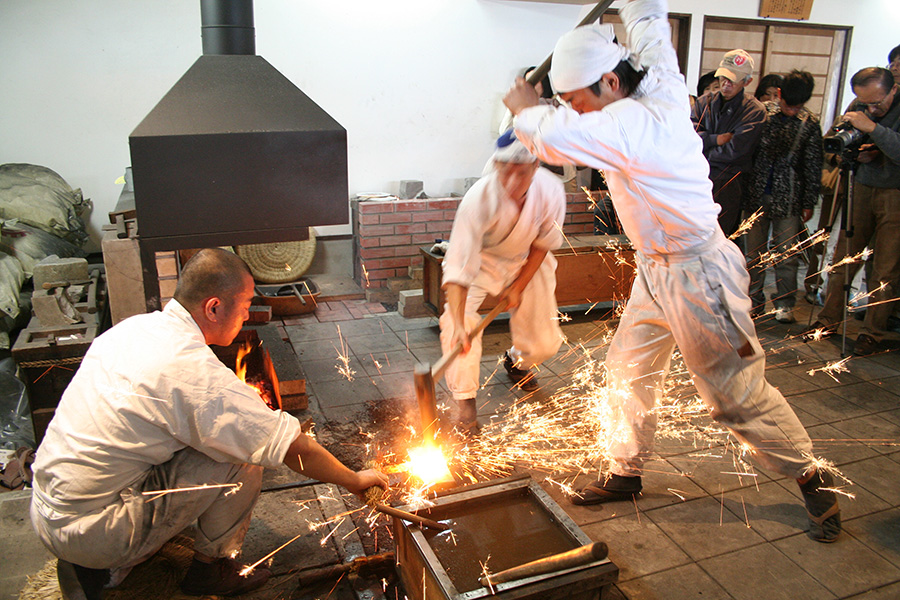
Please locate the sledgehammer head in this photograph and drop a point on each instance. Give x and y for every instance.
(424, 382)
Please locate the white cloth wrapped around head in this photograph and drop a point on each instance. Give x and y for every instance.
(583, 56)
(510, 150)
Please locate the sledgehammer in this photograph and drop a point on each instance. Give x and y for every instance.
(425, 375)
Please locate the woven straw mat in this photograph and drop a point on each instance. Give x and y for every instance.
(281, 262)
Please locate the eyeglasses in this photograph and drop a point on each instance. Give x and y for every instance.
(876, 105)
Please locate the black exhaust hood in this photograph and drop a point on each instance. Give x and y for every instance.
(235, 153)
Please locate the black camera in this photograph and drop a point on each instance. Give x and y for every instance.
(845, 136)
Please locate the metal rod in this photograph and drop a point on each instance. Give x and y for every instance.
(408, 516)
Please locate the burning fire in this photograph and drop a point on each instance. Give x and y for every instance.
(428, 464)
(258, 382)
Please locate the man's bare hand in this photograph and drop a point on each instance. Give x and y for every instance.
(860, 120)
(807, 214)
(513, 296)
(723, 138)
(367, 479)
(461, 336)
(868, 153)
(520, 96)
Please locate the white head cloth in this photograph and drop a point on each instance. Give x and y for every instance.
(510, 150)
(583, 56)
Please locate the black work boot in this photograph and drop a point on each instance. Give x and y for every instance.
(467, 417)
(609, 488)
(523, 378)
(222, 577)
(822, 507)
(80, 583)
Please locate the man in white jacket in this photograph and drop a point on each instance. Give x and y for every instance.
(501, 245)
(629, 115)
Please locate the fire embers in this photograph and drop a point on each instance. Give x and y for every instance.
(254, 367)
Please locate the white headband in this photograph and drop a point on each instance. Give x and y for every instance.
(583, 56)
(510, 150)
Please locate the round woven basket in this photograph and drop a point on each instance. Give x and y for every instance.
(280, 262)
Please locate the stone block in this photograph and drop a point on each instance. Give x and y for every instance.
(381, 294)
(397, 284)
(416, 272)
(412, 304)
(125, 282)
(54, 308)
(54, 268)
(410, 188)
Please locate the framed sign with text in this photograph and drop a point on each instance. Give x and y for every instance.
(785, 9)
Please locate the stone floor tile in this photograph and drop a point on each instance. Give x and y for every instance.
(836, 446)
(703, 528)
(762, 571)
(399, 323)
(325, 315)
(826, 406)
(880, 532)
(888, 592)
(879, 475)
(342, 392)
(385, 363)
(872, 397)
(867, 369)
(788, 383)
(358, 327)
(681, 583)
(636, 546)
(309, 331)
(425, 336)
(715, 471)
(330, 369)
(320, 350)
(862, 503)
(891, 415)
(879, 434)
(363, 345)
(395, 385)
(845, 567)
(769, 510)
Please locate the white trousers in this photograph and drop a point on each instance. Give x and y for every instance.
(534, 326)
(698, 300)
(132, 529)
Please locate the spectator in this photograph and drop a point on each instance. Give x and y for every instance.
(729, 123)
(708, 84)
(769, 88)
(784, 183)
(876, 213)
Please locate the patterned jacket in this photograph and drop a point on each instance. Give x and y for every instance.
(795, 179)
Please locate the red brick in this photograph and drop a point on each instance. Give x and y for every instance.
(368, 208)
(375, 307)
(450, 215)
(428, 216)
(582, 218)
(394, 240)
(577, 207)
(442, 204)
(410, 205)
(368, 242)
(440, 226)
(404, 229)
(423, 239)
(369, 219)
(397, 217)
(370, 231)
(370, 253)
(381, 274)
(411, 250)
(417, 261)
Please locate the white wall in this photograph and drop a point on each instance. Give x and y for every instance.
(416, 83)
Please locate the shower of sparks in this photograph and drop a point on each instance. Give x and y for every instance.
(234, 487)
(563, 233)
(487, 574)
(831, 369)
(249, 568)
(344, 356)
(366, 274)
(862, 256)
(309, 291)
(768, 259)
(816, 335)
(590, 197)
(562, 317)
(746, 225)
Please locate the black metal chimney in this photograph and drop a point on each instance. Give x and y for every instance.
(234, 153)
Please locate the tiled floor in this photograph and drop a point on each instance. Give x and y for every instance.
(698, 531)
(729, 537)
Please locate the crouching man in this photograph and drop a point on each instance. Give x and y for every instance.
(152, 408)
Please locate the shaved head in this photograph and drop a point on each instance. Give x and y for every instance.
(210, 272)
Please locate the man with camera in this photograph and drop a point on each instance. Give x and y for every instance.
(871, 138)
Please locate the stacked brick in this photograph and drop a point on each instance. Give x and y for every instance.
(387, 235)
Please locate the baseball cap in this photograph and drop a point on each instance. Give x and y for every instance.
(736, 65)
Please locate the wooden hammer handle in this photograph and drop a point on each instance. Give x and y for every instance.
(550, 564)
(412, 517)
(538, 74)
(443, 362)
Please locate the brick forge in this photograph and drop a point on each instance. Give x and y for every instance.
(387, 236)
